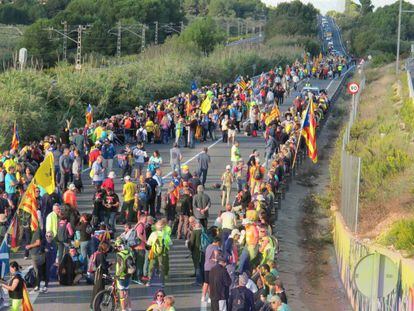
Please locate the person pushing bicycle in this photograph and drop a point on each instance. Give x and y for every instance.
(124, 269)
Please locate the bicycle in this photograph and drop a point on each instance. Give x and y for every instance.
(107, 299)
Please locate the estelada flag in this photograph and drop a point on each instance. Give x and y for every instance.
(273, 115)
(29, 205)
(16, 138)
(26, 304)
(206, 105)
(309, 132)
(45, 174)
(89, 115)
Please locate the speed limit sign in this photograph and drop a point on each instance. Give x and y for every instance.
(353, 88)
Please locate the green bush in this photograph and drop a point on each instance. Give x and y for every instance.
(401, 236)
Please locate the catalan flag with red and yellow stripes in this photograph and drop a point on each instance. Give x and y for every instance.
(309, 132)
(242, 84)
(29, 204)
(26, 304)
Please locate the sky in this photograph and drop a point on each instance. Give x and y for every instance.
(327, 5)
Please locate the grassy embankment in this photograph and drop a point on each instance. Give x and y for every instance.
(383, 137)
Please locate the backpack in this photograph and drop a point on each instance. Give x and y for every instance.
(205, 240)
(142, 196)
(30, 278)
(128, 263)
(258, 174)
(158, 247)
(239, 302)
(133, 239)
(62, 232)
(92, 262)
(122, 161)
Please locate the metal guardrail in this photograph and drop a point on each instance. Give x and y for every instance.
(409, 65)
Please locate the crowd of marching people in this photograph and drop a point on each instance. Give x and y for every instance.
(234, 255)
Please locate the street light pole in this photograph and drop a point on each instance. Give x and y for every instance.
(397, 64)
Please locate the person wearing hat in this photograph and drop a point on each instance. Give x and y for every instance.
(109, 182)
(15, 287)
(241, 298)
(69, 197)
(219, 281)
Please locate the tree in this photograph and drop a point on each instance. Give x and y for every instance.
(366, 7)
(204, 33)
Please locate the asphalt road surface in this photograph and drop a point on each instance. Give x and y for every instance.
(68, 298)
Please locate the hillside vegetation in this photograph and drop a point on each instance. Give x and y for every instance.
(383, 137)
(369, 32)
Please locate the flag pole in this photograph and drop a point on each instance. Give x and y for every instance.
(300, 137)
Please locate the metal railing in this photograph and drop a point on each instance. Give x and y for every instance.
(350, 170)
(409, 65)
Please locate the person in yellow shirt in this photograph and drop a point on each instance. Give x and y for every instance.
(127, 213)
(149, 127)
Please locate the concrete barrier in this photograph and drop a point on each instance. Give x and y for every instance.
(350, 250)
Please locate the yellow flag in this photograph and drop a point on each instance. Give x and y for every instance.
(273, 115)
(45, 175)
(206, 105)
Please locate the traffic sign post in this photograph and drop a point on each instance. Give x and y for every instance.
(352, 89)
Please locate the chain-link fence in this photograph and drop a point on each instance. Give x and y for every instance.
(350, 171)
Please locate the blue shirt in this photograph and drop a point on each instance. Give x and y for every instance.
(10, 189)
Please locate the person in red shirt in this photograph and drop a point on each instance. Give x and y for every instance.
(108, 183)
(160, 114)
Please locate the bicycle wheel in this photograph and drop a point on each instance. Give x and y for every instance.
(104, 301)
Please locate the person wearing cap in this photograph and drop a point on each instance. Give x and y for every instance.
(94, 153)
(230, 247)
(69, 197)
(15, 287)
(219, 281)
(241, 298)
(128, 191)
(227, 181)
(109, 182)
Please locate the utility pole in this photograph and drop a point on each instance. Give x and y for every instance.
(228, 29)
(65, 39)
(118, 40)
(78, 65)
(397, 63)
(143, 38)
(238, 27)
(156, 33)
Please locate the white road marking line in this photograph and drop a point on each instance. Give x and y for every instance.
(191, 159)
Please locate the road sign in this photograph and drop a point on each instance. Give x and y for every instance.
(353, 88)
(376, 276)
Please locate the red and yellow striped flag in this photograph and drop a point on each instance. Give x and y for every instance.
(242, 84)
(273, 115)
(26, 304)
(29, 204)
(309, 132)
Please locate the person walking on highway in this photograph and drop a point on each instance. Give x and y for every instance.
(235, 154)
(140, 157)
(108, 153)
(220, 281)
(98, 172)
(123, 271)
(175, 158)
(65, 167)
(203, 163)
(227, 181)
(201, 206)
